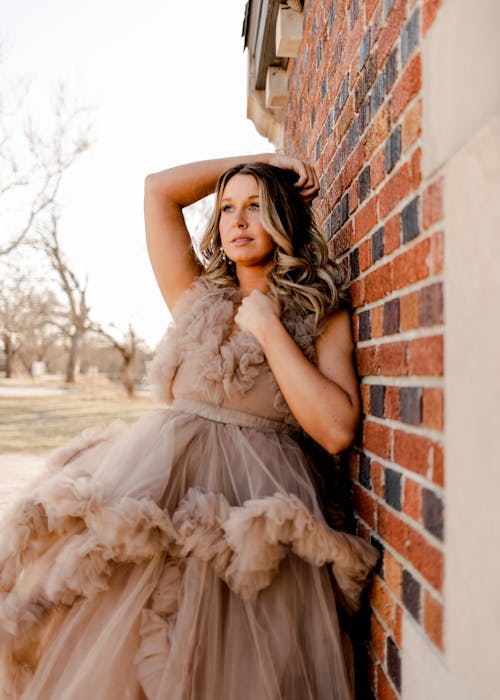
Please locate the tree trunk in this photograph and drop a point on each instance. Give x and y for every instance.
(73, 367)
(10, 356)
(127, 379)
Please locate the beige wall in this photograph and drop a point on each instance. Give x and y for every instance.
(461, 57)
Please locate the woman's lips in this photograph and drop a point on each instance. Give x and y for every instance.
(241, 240)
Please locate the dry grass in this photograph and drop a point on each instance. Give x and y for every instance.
(38, 424)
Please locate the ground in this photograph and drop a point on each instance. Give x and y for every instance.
(36, 417)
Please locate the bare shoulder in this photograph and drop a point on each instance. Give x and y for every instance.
(336, 333)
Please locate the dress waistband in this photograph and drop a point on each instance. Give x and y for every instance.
(221, 414)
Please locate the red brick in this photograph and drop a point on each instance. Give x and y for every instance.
(357, 292)
(367, 361)
(433, 408)
(365, 219)
(377, 321)
(370, 6)
(438, 467)
(353, 464)
(428, 560)
(416, 169)
(412, 499)
(409, 312)
(392, 233)
(407, 87)
(353, 166)
(365, 255)
(433, 619)
(426, 356)
(411, 265)
(392, 403)
(412, 125)
(415, 452)
(410, 544)
(385, 691)
(353, 197)
(377, 132)
(436, 257)
(378, 283)
(377, 438)
(382, 602)
(392, 359)
(378, 637)
(345, 119)
(377, 168)
(433, 203)
(391, 32)
(377, 478)
(393, 574)
(365, 398)
(429, 11)
(395, 190)
(398, 627)
(364, 505)
(363, 531)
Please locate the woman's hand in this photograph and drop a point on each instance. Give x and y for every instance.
(257, 313)
(307, 183)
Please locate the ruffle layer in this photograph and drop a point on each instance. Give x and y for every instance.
(225, 361)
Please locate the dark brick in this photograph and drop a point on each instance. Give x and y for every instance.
(391, 317)
(322, 185)
(364, 82)
(377, 398)
(328, 227)
(377, 94)
(324, 87)
(388, 5)
(353, 135)
(313, 116)
(314, 27)
(354, 267)
(410, 36)
(341, 98)
(375, 542)
(364, 471)
(393, 663)
(329, 123)
(432, 513)
(331, 18)
(364, 183)
(318, 54)
(353, 12)
(411, 595)
(317, 148)
(378, 244)
(393, 149)
(364, 49)
(411, 404)
(409, 219)
(392, 488)
(364, 325)
(305, 56)
(391, 70)
(430, 305)
(364, 114)
(344, 209)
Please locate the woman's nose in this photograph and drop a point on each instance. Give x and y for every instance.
(239, 220)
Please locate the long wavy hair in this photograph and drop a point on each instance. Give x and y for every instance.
(302, 272)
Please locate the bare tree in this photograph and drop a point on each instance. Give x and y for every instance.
(77, 319)
(33, 161)
(128, 348)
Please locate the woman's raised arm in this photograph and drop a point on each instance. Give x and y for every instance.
(169, 244)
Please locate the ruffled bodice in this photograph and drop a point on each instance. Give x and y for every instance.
(204, 358)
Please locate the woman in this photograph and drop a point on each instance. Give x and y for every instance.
(183, 558)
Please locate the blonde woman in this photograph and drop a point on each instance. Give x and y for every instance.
(188, 557)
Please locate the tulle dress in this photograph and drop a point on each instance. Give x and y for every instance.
(186, 557)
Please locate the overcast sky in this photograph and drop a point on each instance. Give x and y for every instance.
(168, 80)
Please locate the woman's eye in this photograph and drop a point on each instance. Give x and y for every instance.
(226, 207)
(254, 205)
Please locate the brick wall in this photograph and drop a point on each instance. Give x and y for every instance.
(355, 109)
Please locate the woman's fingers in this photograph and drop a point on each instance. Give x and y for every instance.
(307, 181)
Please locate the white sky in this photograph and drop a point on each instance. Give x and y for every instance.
(168, 79)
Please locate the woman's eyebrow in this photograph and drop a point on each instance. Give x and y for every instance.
(252, 196)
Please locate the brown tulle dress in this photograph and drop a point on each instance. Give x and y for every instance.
(184, 558)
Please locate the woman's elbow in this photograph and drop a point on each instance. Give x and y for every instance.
(338, 441)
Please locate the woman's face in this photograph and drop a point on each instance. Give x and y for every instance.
(244, 239)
